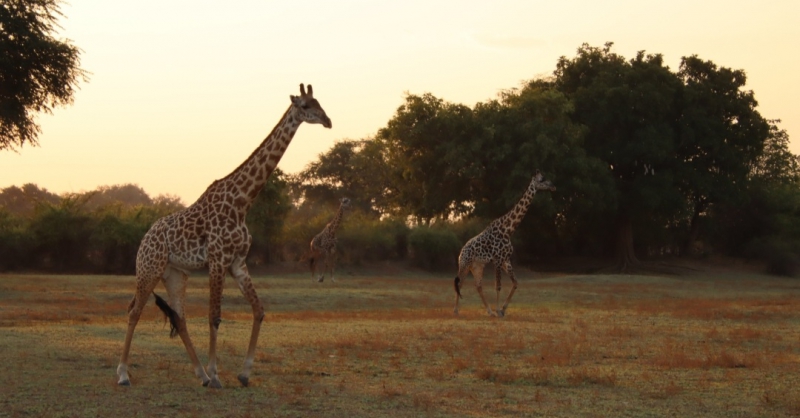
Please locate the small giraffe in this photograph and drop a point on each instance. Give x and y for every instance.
(324, 244)
(212, 233)
(493, 245)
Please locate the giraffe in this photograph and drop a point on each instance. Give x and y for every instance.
(212, 233)
(324, 244)
(493, 245)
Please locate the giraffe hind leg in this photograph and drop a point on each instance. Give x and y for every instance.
(497, 276)
(332, 262)
(510, 271)
(145, 286)
(242, 276)
(477, 272)
(312, 264)
(175, 283)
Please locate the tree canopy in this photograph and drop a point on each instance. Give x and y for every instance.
(37, 71)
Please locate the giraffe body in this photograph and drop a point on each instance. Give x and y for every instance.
(493, 245)
(323, 245)
(212, 233)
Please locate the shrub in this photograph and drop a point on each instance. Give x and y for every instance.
(433, 248)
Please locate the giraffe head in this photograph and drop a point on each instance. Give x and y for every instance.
(539, 183)
(345, 202)
(308, 108)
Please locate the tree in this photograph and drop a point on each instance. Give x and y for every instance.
(22, 201)
(721, 138)
(631, 111)
(426, 148)
(353, 169)
(265, 218)
(37, 71)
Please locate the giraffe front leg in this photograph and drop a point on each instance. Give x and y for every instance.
(216, 279)
(242, 276)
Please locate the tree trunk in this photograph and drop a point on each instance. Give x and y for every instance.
(626, 257)
(694, 228)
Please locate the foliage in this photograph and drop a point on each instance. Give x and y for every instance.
(22, 201)
(646, 161)
(433, 247)
(266, 218)
(37, 71)
(44, 232)
(351, 169)
(364, 238)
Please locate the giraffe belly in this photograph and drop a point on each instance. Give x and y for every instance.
(189, 260)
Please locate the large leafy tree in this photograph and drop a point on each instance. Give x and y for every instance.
(631, 109)
(722, 137)
(266, 216)
(37, 71)
(428, 146)
(351, 168)
(528, 129)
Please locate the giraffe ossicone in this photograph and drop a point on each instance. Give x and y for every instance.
(493, 245)
(323, 245)
(212, 233)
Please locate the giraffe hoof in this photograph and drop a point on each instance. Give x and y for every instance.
(214, 383)
(125, 382)
(501, 313)
(244, 380)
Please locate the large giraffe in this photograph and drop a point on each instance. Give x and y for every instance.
(493, 245)
(324, 244)
(212, 232)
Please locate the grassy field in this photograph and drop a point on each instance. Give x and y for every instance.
(707, 344)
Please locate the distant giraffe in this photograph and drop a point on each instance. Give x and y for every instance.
(212, 233)
(493, 245)
(324, 244)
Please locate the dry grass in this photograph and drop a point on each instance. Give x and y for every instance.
(709, 345)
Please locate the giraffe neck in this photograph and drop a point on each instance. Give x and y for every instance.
(245, 182)
(511, 220)
(334, 223)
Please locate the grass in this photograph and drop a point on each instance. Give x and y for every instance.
(710, 344)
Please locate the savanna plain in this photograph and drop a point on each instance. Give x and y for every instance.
(710, 342)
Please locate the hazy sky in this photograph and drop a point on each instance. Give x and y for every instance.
(182, 91)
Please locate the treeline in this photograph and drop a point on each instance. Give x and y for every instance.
(647, 161)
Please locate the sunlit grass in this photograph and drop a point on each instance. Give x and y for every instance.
(706, 345)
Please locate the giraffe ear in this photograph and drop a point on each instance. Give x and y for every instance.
(296, 100)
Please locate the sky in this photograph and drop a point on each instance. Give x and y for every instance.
(181, 92)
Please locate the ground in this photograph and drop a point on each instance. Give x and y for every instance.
(708, 342)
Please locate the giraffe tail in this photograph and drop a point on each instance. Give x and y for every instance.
(169, 313)
(456, 283)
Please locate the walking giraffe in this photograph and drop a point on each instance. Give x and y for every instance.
(493, 245)
(212, 232)
(324, 244)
